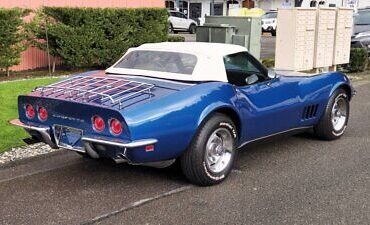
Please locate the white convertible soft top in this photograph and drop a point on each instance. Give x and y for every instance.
(210, 65)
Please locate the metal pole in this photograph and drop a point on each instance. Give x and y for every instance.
(188, 9)
(212, 8)
(177, 5)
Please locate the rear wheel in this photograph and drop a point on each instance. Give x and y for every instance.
(273, 33)
(212, 153)
(192, 29)
(334, 121)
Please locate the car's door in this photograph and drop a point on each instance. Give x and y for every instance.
(183, 20)
(267, 105)
(175, 20)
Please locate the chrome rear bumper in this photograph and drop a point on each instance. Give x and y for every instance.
(42, 130)
(45, 133)
(133, 144)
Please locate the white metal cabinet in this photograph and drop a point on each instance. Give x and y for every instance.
(324, 47)
(343, 32)
(295, 39)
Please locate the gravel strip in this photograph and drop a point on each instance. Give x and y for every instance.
(25, 152)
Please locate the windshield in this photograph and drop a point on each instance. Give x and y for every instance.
(170, 62)
(269, 16)
(362, 18)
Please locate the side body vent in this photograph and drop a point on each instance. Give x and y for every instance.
(309, 112)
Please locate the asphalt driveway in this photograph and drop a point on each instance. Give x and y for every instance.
(287, 180)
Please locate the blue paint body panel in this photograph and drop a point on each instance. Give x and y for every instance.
(176, 110)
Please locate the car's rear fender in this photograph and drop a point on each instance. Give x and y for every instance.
(175, 119)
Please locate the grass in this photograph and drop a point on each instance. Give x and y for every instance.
(16, 75)
(11, 136)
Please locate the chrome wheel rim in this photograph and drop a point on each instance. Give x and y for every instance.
(219, 149)
(339, 113)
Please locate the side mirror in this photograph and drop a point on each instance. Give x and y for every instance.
(271, 74)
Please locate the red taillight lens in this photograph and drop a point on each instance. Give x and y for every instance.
(98, 123)
(30, 112)
(43, 114)
(115, 126)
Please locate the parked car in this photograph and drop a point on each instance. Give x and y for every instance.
(180, 22)
(361, 30)
(269, 22)
(195, 102)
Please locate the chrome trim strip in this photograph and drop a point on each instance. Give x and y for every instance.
(271, 135)
(44, 131)
(150, 78)
(134, 144)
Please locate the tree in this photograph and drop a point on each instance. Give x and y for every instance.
(12, 37)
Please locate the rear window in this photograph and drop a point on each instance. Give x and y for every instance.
(161, 61)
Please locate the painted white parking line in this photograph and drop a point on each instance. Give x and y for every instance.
(237, 171)
(137, 204)
(39, 171)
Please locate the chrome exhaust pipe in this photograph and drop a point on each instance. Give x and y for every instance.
(121, 158)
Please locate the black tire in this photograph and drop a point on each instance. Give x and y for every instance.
(325, 129)
(193, 161)
(170, 28)
(273, 33)
(192, 29)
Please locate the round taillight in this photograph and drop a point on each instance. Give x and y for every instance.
(98, 123)
(115, 127)
(43, 114)
(30, 111)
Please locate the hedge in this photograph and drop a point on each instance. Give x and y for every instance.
(95, 37)
(12, 37)
(358, 60)
(176, 38)
(268, 62)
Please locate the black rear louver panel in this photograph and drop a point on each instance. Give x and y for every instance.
(309, 112)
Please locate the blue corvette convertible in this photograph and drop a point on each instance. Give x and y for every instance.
(195, 102)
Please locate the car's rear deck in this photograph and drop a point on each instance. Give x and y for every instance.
(108, 90)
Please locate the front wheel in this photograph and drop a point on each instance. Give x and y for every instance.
(170, 28)
(334, 121)
(212, 153)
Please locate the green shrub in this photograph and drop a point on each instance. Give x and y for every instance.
(175, 38)
(358, 61)
(12, 37)
(95, 37)
(269, 62)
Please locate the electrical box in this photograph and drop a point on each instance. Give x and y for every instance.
(343, 32)
(295, 39)
(215, 33)
(324, 45)
(247, 31)
(241, 40)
